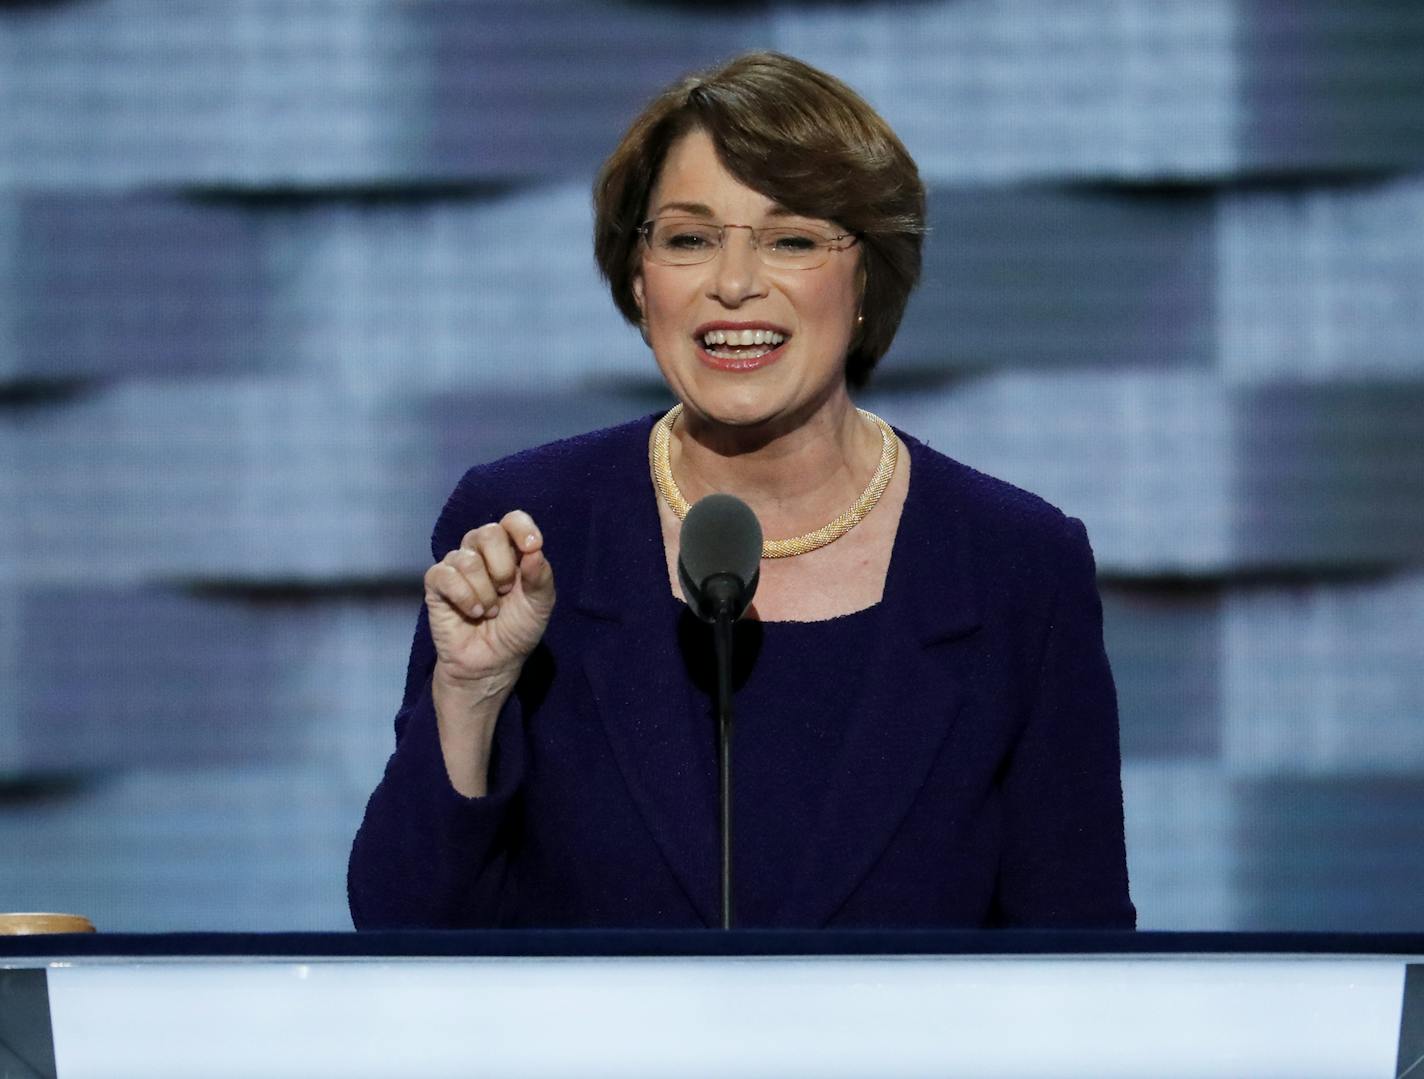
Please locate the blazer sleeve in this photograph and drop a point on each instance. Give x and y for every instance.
(1064, 861)
(425, 856)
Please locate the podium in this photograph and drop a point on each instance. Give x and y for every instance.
(744, 1003)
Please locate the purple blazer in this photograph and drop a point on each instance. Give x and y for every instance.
(976, 781)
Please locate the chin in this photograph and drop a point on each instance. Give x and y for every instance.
(761, 417)
(742, 399)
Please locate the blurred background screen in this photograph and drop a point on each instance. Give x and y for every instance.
(273, 273)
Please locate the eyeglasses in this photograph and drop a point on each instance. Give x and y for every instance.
(687, 241)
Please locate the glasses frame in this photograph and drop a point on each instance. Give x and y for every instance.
(832, 243)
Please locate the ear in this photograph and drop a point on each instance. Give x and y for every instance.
(860, 282)
(637, 284)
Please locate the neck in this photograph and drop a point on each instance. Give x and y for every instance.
(796, 473)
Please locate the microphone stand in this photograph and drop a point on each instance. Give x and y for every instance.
(724, 590)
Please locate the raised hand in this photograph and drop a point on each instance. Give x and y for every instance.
(489, 602)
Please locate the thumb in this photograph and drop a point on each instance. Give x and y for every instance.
(537, 575)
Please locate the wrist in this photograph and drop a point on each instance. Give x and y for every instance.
(468, 695)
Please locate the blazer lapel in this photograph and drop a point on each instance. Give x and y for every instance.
(635, 672)
(907, 705)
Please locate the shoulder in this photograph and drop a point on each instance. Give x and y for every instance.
(982, 551)
(988, 544)
(989, 512)
(566, 474)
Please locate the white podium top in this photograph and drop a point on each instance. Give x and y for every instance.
(825, 1017)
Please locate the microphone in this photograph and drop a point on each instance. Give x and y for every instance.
(718, 566)
(719, 562)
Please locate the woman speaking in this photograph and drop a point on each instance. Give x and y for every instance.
(927, 727)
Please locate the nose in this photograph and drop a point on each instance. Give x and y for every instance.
(737, 269)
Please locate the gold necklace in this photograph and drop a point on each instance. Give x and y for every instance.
(783, 548)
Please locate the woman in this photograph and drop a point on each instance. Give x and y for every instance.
(927, 730)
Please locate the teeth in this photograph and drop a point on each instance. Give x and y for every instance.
(743, 338)
(728, 353)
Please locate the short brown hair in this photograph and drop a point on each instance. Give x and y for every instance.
(795, 135)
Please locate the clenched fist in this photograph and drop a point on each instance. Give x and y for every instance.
(489, 602)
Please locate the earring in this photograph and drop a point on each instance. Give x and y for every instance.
(859, 320)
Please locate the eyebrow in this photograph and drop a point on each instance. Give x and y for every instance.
(698, 209)
(701, 209)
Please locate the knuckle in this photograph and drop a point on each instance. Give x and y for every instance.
(447, 584)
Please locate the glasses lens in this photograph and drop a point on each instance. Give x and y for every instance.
(683, 242)
(793, 248)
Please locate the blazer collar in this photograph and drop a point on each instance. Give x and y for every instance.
(668, 761)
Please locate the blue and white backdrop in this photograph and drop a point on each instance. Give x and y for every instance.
(274, 272)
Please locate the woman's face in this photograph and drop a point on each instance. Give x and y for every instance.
(813, 310)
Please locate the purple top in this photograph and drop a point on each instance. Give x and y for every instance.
(948, 757)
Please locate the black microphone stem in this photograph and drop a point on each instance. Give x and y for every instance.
(722, 643)
(724, 593)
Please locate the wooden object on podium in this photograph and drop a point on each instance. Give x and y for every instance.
(29, 923)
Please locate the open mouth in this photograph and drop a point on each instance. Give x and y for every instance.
(736, 348)
(740, 344)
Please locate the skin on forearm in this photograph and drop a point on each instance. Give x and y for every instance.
(465, 715)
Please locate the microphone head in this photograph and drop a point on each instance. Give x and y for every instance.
(721, 538)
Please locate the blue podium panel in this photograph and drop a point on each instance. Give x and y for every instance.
(511, 1005)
